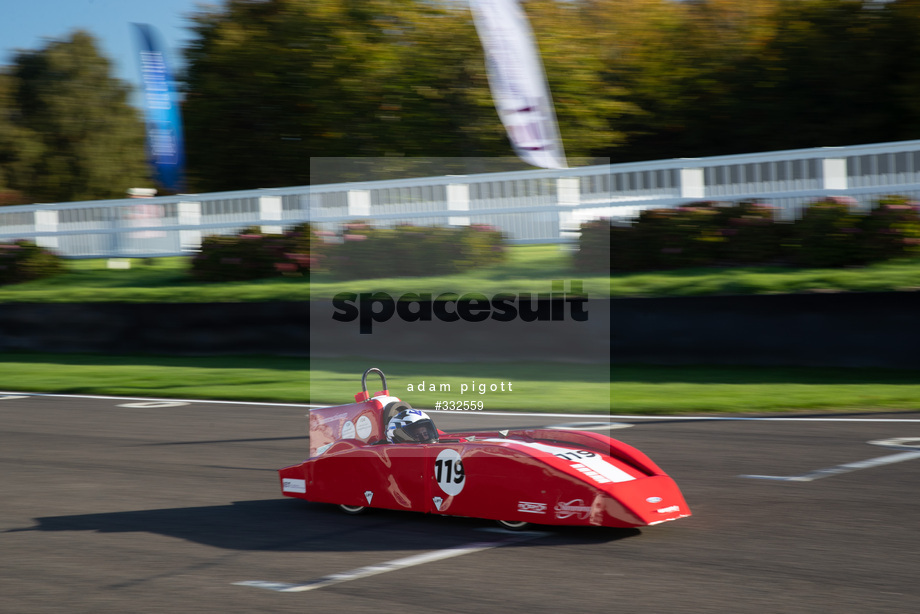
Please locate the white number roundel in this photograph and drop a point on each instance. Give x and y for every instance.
(448, 471)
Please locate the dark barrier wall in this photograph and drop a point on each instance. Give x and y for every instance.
(832, 329)
(851, 330)
(163, 328)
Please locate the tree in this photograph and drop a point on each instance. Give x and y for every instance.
(591, 107)
(272, 83)
(823, 78)
(75, 136)
(267, 87)
(19, 147)
(720, 76)
(676, 63)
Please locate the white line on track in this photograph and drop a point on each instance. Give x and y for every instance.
(900, 443)
(590, 426)
(387, 566)
(154, 404)
(845, 468)
(155, 399)
(763, 419)
(483, 413)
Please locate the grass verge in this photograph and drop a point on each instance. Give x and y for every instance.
(530, 268)
(542, 387)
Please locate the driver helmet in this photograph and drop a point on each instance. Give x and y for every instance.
(411, 426)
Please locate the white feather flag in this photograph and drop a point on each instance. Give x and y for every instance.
(518, 82)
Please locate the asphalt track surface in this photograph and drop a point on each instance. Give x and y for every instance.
(107, 508)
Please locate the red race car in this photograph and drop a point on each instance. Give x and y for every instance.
(379, 452)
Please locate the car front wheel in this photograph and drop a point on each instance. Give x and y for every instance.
(353, 509)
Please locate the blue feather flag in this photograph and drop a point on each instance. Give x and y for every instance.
(163, 116)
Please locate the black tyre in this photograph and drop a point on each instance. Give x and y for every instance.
(513, 525)
(353, 509)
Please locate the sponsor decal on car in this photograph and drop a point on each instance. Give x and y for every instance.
(575, 507)
(363, 427)
(654, 499)
(591, 464)
(591, 473)
(368, 495)
(437, 502)
(340, 416)
(292, 485)
(668, 510)
(531, 507)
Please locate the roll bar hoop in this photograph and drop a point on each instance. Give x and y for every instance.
(364, 394)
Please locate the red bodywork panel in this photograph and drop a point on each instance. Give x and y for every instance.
(543, 476)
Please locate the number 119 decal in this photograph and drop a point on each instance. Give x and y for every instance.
(448, 472)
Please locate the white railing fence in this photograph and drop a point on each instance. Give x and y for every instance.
(537, 206)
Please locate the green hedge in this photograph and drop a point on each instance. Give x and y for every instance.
(24, 261)
(830, 233)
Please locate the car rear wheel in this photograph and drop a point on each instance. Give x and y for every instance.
(513, 525)
(353, 509)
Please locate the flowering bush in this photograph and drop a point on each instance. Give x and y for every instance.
(683, 237)
(481, 245)
(251, 255)
(360, 252)
(626, 253)
(664, 239)
(411, 251)
(24, 261)
(830, 233)
(750, 234)
(594, 247)
(827, 235)
(891, 229)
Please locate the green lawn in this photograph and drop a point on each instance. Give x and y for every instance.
(894, 275)
(536, 386)
(529, 269)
